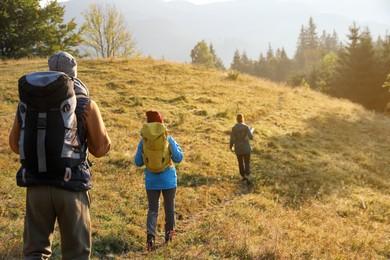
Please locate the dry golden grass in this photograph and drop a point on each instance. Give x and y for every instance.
(321, 168)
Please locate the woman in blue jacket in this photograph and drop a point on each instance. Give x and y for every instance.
(164, 182)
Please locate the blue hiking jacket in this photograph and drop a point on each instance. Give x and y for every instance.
(166, 179)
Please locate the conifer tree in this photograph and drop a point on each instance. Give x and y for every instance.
(308, 52)
(260, 67)
(246, 64)
(311, 35)
(383, 51)
(357, 77)
(271, 62)
(218, 64)
(283, 66)
(236, 64)
(275, 65)
(270, 52)
(301, 47)
(383, 54)
(329, 42)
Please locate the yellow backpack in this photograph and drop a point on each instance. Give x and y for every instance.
(156, 152)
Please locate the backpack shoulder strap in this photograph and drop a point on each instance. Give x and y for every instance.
(80, 88)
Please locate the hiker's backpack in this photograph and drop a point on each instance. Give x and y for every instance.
(242, 135)
(49, 145)
(156, 151)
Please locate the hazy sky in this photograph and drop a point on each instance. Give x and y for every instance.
(359, 11)
(200, 2)
(197, 2)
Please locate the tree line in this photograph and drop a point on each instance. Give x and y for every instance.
(358, 70)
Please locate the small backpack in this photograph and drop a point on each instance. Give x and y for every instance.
(49, 144)
(242, 135)
(156, 151)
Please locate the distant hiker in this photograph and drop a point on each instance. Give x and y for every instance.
(55, 127)
(157, 151)
(239, 138)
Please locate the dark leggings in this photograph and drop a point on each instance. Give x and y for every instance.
(169, 207)
(243, 164)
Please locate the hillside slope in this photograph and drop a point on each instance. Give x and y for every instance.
(320, 165)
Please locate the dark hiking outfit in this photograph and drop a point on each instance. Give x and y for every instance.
(239, 138)
(63, 198)
(164, 183)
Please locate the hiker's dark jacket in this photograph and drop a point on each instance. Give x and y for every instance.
(91, 132)
(239, 138)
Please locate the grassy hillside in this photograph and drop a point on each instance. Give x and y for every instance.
(321, 167)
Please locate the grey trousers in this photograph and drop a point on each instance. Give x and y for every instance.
(45, 205)
(169, 207)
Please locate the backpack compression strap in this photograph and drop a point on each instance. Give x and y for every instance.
(41, 137)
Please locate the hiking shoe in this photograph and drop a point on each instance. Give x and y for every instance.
(169, 236)
(150, 243)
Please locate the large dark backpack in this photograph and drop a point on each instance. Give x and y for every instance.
(49, 144)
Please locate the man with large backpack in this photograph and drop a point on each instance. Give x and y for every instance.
(56, 126)
(157, 151)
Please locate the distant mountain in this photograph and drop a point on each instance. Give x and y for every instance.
(170, 30)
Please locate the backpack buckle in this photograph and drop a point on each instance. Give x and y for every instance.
(41, 123)
(68, 174)
(66, 108)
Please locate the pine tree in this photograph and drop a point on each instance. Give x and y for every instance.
(311, 35)
(283, 66)
(246, 64)
(383, 55)
(274, 66)
(357, 77)
(329, 42)
(301, 47)
(260, 67)
(218, 64)
(236, 64)
(270, 53)
(308, 52)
